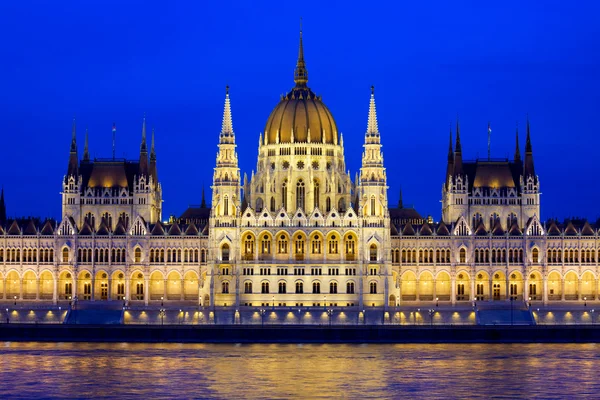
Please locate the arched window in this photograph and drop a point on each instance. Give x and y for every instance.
(333, 245)
(328, 204)
(373, 288)
(316, 287)
(259, 204)
(373, 253)
(65, 254)
(225, 252)
(463, 256)
(350, 245)
(264, 287)
(248, 287)
(316, 194)
(137, 255)
(248, 247)
(282, 288)
(300, 245)
(342, 205)
(372, 205)
(284, 195)
(350, 287)
(272, 204)
(535, 255)
(226, 205)
(300, 194)
(282, 244)
(266, 245)
(299, 287)
(225, 287)
(316, 244)
(333, 288)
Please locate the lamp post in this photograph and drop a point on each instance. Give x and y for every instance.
(7, 317)
(162, 316)
(330, 313)
(162, 303)
(325, 302)
(273, 302)
(262, 312)
(15, 300)
(431, 312)
(592, 316)
(585, 301)
(529, 304)
(437, 302)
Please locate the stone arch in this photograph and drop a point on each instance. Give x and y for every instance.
(515, 285)
(425, 286)
(587, 285)
(13, 284)
(190, 285)
(443, 289)
(571, 285)
(118, 285)
(65, 285)
(554, 286)
(174, 286)
(84, 285)
(157, 285)
(498, 285)
(101, 291)
(29, 285)
(535, 286)
(408, 286)
(137, 286)
(482, 285)
(248, 245)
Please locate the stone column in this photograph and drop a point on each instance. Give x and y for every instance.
(562, 290)
(55, 291)
(127, 290)
(181, 296)
(491, 292)
(434, 290)
(472, 290)
(109, 296)
(146, 290)
(37, 289)
(579, 289)
(21, 289)
(417, 290)
(453, 290)
(165, 289)
(93, 294)
(545, 291)
(4, 286)
(526, 288)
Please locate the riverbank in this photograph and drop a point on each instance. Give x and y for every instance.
(300, 334)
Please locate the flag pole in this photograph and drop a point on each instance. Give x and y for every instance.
(489, 137)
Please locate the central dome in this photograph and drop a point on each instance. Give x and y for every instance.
(301, 116)
(302, 112)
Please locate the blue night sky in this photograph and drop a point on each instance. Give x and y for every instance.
(113, 61)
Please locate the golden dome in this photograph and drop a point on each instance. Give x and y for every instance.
(300, 112)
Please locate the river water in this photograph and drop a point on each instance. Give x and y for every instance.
(125, 370)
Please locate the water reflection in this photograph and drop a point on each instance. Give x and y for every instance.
(309, 371)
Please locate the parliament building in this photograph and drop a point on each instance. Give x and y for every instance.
(300, 232)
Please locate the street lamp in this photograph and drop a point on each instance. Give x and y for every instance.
(162, 301)
(330, 313)
(162, 316)
(15, 300)
(273, 302)
(529, 304)
(431, 312)
(325, 302)
(584, 301)
(262, 312)
(592, 316)
(437, 302)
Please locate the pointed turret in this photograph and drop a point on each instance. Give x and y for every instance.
(517, 149)
(203, 202)
(143, 151)
(73, 159)
(86, 152)
(2, 209)
(372, 135)
(400, 202)
(450, 166)
(529, 168)
(458, 166)
(227, 135)
(153, 172)
(300, 73)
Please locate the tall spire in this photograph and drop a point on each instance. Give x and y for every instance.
(400, 203)
(372, 128)
(143, 151)
(73, 159)
(529, 168)
(2, 208)
(153, 171)
(152, 150)
(86, 152)
(300, 74)
(227, 126)
(203, 203)
(450, 165)
(458, 168)
(517, 149)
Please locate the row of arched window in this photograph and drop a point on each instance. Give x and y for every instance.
(410, 256)
(571, 256)
(500, 255)
(300, 198)
(316, 245)
(177, 255)
(117, 255)
(28, 255)
(298, 287)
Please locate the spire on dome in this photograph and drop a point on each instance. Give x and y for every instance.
(301, 74)
(372, 128)
(143, 147)
(86, 152)
(227, 126)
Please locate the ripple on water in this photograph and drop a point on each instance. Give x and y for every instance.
(125, 370)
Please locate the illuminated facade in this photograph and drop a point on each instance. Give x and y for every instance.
(300, 232)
